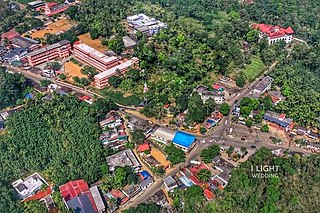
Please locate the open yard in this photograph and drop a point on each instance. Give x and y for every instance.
(159, 156)
(96, 43)
(58, 26)
(254, 69)
(72, 70)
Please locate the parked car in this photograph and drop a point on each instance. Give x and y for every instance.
(253, 147)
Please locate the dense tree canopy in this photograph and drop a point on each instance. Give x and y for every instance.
(12, 87)
(59, 138)
(293, 189)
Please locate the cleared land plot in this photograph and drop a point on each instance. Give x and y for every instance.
(159, 156)
(96, 43)
(58, 26)
(254, 69)
(72, 70)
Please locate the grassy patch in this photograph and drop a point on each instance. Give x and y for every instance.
(118, 97)
(254, 69)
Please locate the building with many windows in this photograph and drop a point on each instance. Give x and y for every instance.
(101, 80)
(93, 57)
(274, 33)
(61, 49)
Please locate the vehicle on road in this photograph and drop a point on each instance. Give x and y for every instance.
(226, 122)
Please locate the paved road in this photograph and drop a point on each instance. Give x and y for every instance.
(218, 135)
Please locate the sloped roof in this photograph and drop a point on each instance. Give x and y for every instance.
(73, 189)
(144, 147)
(183, 139)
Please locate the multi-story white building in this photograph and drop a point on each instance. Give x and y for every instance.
(145, 24)
(274, 33)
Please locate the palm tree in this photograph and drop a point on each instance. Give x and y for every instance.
(204, 175)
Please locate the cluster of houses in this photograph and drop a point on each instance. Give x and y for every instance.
(274, 119)
(79, 197)
(216, 93)
(50, 8)
(113, 131)
(213, 120)
(188, 176)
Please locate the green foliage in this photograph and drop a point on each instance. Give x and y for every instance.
(138, 136)
(144, 208)
(12, 87)
(196, 111)
(29, 24)
(252, 36)
(249, 122)
(241, 80)
(253, 70)
(114, 81)
(116, 45)
(245, 193)
(204, 175)
(54, 65)
(175, 155)
(265, 128)
(224, 109)
(45, 83)
(118, 97)
(35, 207)
(193, 199)
(89, 71)
(230, 150)
(209, 153)
(62, 76)
(203, 129)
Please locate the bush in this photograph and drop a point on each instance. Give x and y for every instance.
(62, 76)
(265, 128)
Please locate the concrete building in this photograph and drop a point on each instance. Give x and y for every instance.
(24, 42)
(101, 79)
(123, 158)
(184, 141)
(274, 33)
(93, 57)
(97, 199)
(169, 183)
(128, 42)
(61, 49)
(144, 24)
(29, 186)
(263, 86)
(163, 135)
(206, 94)
(279, 119)
(15, 55)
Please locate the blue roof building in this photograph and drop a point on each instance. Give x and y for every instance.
(184, 140)
(144, 174)
(80, 204)
(29, 96)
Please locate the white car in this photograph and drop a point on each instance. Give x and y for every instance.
(226, 122)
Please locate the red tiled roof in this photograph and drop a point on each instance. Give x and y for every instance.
(166, 106)
(10, 34)
(118, 194)
(291, 125)
(282, 116)
(144, 147)
(82, 98)
(73, 189)
(39, 195)
(209, 194)
(217, 86)
(273, 31)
